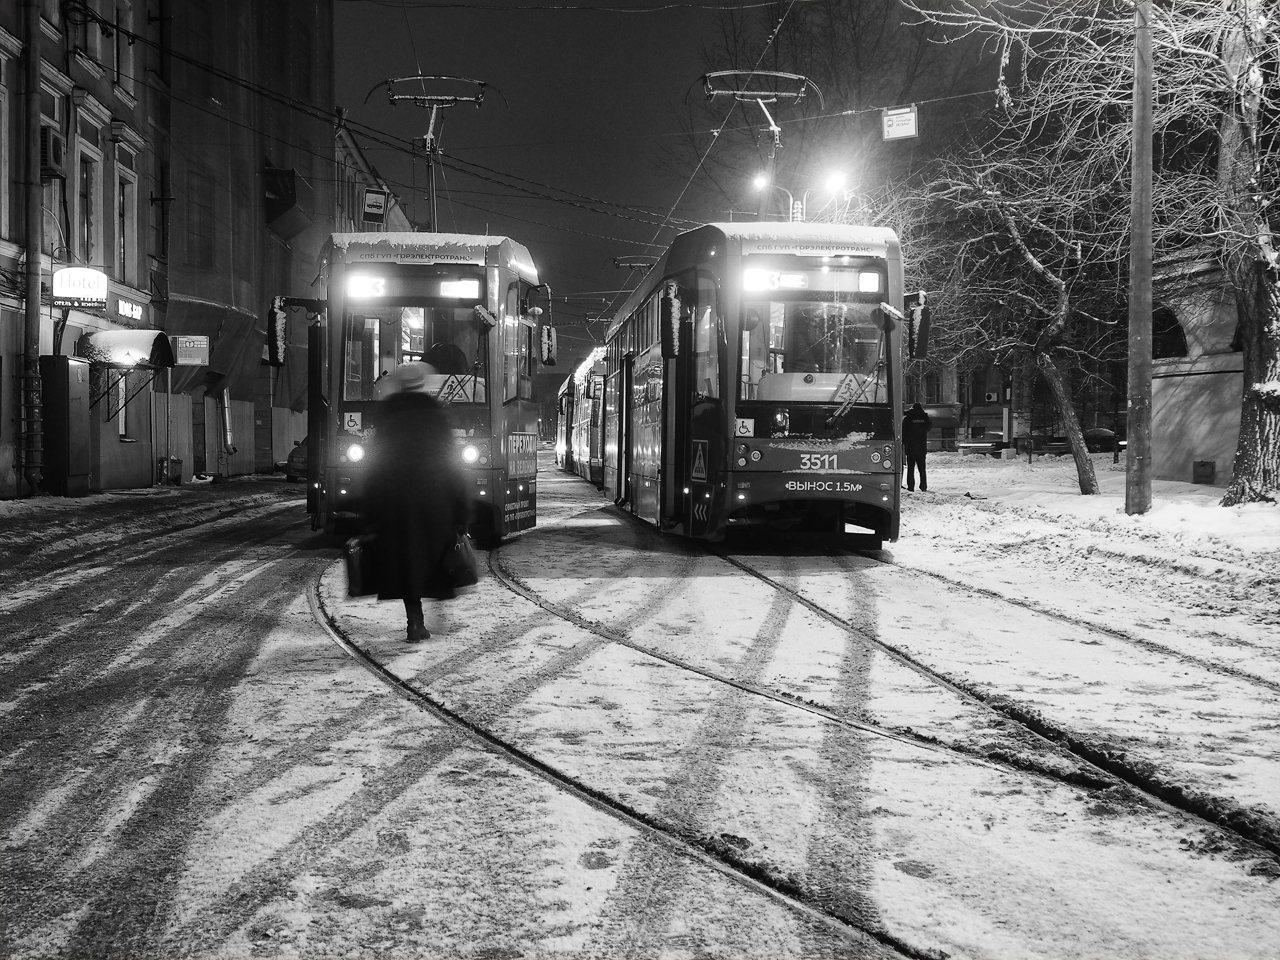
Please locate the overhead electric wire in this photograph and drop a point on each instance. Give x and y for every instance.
(701, 160)
(568, 7)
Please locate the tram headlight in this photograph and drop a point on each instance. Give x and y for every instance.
(355, 453)
(474, 453)
(755, 456)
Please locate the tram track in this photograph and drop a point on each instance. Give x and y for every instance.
(1108, 766)
(809, 896)
(708, 851)
(1213, 666)
(1097, 768)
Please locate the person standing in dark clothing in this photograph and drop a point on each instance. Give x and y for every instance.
(417, 497)
(915, 443)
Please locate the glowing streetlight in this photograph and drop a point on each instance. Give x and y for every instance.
(798, 209)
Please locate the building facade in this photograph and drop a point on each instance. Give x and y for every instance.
(189, 159)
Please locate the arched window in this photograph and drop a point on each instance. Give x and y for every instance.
(1167, 337)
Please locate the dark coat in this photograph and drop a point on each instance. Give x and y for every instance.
(417, 496)
(915, 430)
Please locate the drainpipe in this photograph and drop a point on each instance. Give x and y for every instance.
(32, 406)
(224, 410)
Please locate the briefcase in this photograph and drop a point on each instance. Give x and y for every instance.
(362, 577)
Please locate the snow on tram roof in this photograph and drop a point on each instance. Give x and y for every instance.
(408, 247)
(805, 230)
(421, 240)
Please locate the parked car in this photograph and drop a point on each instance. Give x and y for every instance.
(1099, 440)
(295, 468)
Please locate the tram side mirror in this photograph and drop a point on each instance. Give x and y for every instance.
(548, 346)
(669, 321)
(917, 326)
(487, 320)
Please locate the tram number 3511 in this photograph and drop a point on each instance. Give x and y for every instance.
(818, 461)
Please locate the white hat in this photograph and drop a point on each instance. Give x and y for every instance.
(412, 377)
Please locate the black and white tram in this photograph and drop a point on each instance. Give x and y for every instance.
(755, 378)
(580, 419)
(465, 305)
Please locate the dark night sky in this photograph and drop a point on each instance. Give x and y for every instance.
(595, 98)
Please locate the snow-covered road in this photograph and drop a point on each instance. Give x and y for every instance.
(762, 752)
(904, 803)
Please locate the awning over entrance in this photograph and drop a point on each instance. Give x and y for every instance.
(147, 349)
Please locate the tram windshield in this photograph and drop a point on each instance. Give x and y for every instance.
(815, 336)
(451, 337)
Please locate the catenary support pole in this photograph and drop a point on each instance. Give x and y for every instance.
(32, 399)
(1138, 464)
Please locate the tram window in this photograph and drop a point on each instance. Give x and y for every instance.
(447, 337)
(412, 331)
(808, 350)
(706, 341)
(360, 370)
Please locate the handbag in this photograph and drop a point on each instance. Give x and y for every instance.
(362, 578)
(459, 565)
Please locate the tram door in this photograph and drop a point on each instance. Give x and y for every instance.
(673, 315)
(705, 441)
(694, 439)
(691, 443)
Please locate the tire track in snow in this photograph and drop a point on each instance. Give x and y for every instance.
(127, 854)
(1252, 825)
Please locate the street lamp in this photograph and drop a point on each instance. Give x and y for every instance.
(835, 182)
(761, 181)
(798, 209)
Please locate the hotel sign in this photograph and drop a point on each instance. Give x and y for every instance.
(81, 287)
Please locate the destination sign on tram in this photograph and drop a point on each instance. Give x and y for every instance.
(395, 286)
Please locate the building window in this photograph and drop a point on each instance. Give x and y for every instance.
(127, 228)
(1167, 337)
(124, 46)
(200, 38)
(88, 207)
(89, 39)
(302, 43)
(4, 148)
(121, 395)
(199, 220)
(933, 387)
(51, 11)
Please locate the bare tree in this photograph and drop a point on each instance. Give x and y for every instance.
(863, 56)
(1066, 79)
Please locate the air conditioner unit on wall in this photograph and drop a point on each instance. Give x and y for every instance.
(993, 398)
(53, 154)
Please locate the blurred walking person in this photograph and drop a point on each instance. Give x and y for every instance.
(417, 499)
(915, 443)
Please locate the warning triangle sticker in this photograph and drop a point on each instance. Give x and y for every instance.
(699, 460)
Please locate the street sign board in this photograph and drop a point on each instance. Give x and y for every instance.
(190, 351)
(900, 123)
(375, 205)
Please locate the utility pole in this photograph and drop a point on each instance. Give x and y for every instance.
(32, 393)
(1138, 457)
(436, 102)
